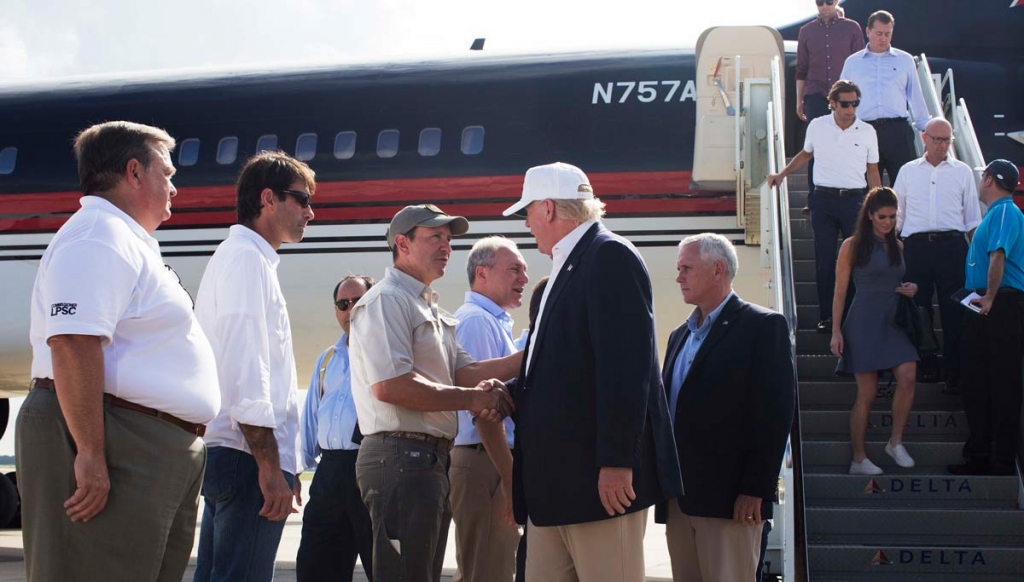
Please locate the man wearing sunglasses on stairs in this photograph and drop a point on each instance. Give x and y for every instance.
(846, 151)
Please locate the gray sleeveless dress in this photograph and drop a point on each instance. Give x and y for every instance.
(871, 339)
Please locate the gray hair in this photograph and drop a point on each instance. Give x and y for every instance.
(483, 251)
(713, 248)
(579, 211)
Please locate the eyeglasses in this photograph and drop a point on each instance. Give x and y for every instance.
(941, 140)
(301, 197)
(824, 2)
(845, 104)
(345, 304)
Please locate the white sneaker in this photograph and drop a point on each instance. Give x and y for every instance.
(865, 467)
(899, 454)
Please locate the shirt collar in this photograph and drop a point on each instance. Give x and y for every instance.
(830, 21)
(261, 243)
(104, 205)
(563, 248)
(691, 322)
(1001, 200)
(410, 284)
(867, 52)
(855, 125)
(486, 303)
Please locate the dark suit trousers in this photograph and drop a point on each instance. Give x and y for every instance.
(831, 215)
(938, 266)
(993, 346)
(895, 147)
(814, 106)
(335, 524)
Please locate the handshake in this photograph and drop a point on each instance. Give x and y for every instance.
(491, 401)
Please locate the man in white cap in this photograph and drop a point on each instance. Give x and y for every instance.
(406, 371)
(594, 446)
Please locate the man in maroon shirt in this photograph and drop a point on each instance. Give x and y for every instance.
(822, 47)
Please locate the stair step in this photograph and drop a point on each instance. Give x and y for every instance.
(840, 396)
(910, 491)
(834, 456)
(828, 423)
(800, 227)
(914, 563)
(921, 527)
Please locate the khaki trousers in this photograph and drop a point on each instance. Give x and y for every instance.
(485, 547)
(146, 530)
(610, 550)
(710, 549)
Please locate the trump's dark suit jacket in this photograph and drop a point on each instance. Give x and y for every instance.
(592, 396)
(734, 411)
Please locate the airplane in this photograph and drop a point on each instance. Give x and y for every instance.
(459, 133)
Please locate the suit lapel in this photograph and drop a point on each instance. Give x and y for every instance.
(719, 330)
(564, 275)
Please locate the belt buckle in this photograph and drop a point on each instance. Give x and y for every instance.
(932, 237)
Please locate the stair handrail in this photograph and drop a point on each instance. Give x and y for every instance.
(967, 147)
(795, 567)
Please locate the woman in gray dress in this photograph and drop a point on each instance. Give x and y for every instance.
(869, 341)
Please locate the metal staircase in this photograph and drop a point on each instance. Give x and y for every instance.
(908, 524)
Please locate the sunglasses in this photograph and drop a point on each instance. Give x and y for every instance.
(845, 104)
(301, 197)
(345, 304)
(824, 2)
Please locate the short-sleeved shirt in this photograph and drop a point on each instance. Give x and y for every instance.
(841, 156)
(397, 328)
(485, 331)
(936, 198)
(103, 275)
(243, 311)
(1002, 228)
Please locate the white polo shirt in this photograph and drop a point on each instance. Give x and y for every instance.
(936, 198)
(841, 156)
(103, 275)
(242, 310)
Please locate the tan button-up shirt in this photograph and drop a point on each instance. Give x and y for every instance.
(397, 328)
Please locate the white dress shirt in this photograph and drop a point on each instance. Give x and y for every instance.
(841, 156)
(242, 310)
(936, 198)
(102, 275)
(559, 254)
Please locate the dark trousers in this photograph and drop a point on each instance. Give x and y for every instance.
(938, 266)
(814, 106)
(831, 215)
(993, 346)
(335, 524)
(895, 147)
(404, 484)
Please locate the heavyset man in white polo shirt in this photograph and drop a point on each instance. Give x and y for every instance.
(254, 450)
(109, 454)
(407, 369)
(844, 149)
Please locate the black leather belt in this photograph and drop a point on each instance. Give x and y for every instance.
(189, 427)
(476, 447)
(841, 191)
(884, 120)
(441, 443)
(937, 235)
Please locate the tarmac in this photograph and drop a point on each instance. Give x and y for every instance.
(12, 560)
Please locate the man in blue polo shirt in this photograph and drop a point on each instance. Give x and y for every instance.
(993, 342)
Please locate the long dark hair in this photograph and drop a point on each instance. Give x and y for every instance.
(864, 238)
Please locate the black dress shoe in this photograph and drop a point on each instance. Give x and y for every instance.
(825, 326)
(971, 467)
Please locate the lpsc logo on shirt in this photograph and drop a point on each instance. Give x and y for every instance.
(63, 309)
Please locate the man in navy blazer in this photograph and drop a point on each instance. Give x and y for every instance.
(594, 444)
(731, 381)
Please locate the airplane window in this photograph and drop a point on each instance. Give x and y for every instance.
(345, 145)
(7, 158)
(430, 141)
(188, 154)
(227, 150)
(266, 143)
(473, 140)
(387, 143)
(305, 147)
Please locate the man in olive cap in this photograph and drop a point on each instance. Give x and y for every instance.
(409, 379)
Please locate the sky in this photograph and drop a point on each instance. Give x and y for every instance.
(43, 41)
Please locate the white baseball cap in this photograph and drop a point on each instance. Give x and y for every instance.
(552, 181)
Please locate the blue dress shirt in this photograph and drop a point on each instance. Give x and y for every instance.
(681, 367)
(328, 423)
(887, 81)
(485, 331)
(1002, 228)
